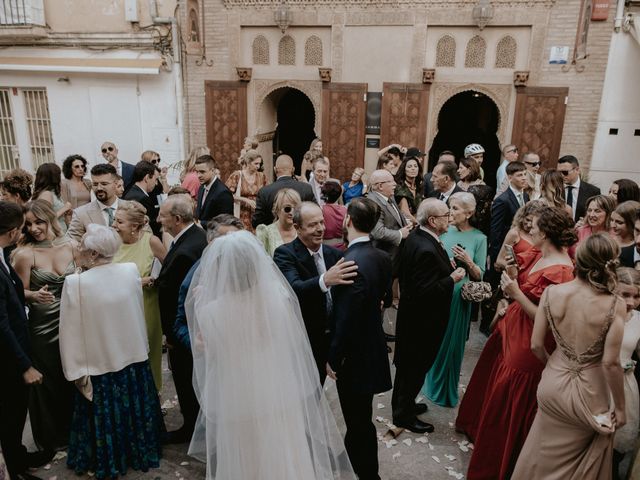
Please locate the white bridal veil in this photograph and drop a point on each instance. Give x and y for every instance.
(263, 412)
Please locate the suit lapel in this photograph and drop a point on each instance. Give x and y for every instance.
(392, 211)
(171, 253)
(95, 214)
(513, 200)
(305, 258)
(438, 246)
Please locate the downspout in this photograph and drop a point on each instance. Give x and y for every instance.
(176, 69)
(617, 22)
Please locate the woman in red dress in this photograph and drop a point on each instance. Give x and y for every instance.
(500, 402)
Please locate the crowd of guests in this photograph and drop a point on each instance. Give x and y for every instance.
(312, 263)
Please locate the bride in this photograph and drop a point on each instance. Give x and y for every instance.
(263, 412)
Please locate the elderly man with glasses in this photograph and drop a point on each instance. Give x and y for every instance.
(125, 170)
(576, 191)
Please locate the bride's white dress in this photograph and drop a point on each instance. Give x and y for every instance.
(263, 411)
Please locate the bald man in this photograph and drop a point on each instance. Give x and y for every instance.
(284, 173)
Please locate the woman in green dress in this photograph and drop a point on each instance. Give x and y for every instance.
(408, 192)
(141, 247)
(467, 246)
(281, 231)
(43, 260)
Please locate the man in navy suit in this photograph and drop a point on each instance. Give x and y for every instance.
(358, 359)
(189, 240)
(214, 197)
(311, 269)
(16, 370)
(146, 177)
(124, 169)
(576, 191)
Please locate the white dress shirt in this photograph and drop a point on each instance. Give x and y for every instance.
(574, 193)
(445, 196)
(180, 233)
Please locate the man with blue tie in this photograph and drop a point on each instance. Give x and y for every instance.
(16, 370)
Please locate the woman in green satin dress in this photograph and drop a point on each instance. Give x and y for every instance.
(43, 260)
(140, 246)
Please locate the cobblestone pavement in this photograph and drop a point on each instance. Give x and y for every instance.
(409, 459)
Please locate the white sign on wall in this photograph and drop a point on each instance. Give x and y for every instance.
(559, 55)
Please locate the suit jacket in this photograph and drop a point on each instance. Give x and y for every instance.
(14, 333)
(83, 216)
(298, 267)
(427, 288)
(626, 256)
(267, 194)
(503, 210)
(358, 351)
(585, 192)
(219, 200)
(127, 175)
(180, 258)
(427, 184)
(385, 234)
(149, 203)
(436, 194)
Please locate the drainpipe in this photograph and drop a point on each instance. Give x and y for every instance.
(176, 69)
(617, 23)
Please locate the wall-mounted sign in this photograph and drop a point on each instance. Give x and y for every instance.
(374, 109)
(559, 55)
(373, 143)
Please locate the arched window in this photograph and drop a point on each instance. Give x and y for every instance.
(260, 50)
(313, 51)
(194, 26)
(287, 51)
(446, 52)
(506, 52)
(475, 53)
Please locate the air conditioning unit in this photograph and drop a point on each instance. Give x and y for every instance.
(22, 12)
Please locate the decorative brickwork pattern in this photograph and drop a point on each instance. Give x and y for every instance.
(287, 51)
(260, 50)
(313, 51)
(506, 52)
(446, 52)
(476, 52)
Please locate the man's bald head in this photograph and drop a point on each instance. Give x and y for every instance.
(380, 176)
(284, 166)
(382, 182)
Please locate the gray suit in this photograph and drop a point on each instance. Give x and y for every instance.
(83, 216)
(386, 235)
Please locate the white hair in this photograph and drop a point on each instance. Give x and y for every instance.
(466, 199)
(101, 239)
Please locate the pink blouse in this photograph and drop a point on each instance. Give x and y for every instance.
(191, 183)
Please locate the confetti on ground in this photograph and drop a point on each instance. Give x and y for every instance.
(59, 456)
(380, 405)
(380, 419)
(396, 455)
(464, 448)
(436, 459)
(451, 458)
(430, 447)
(421, 440)
(391, 443)
(407, 442)
(184, 464)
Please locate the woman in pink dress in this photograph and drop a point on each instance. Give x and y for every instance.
(333, 214)
(188, 177)
(500, 402)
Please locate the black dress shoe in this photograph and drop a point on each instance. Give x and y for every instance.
(39, 458)
(25, 476)
(415, 426)
(181, 435)
(421, 408)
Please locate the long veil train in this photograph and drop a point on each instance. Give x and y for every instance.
(263, 412)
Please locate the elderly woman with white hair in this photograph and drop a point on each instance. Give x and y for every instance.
(467, 246)
(116, 422)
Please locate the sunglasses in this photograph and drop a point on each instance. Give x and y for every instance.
(288, 209)
(566, 172)
(155, 161)
(533, 164)
(104, 150)
(80, 166)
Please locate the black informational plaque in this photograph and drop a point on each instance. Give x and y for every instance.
(373, 143)
(374, 109)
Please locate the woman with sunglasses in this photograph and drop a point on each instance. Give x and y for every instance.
(154, 158)
(76, 189)
(281, 231)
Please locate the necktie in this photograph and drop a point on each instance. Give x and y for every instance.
(204, 196)
(570, 196)
(520, 200)
(441, 197)
(320, 266)
(110, 215)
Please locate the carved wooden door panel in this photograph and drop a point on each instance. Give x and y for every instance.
(226, 122)
(539, 120)
(343, 119)
(404, 114)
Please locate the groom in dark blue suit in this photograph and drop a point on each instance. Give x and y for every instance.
(358, 358)
(311, 269)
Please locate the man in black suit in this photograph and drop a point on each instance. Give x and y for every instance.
(576, 191)
(311, 269)
(285, 178)
(145, 177)
(124, 169)
(358, 359)
(189, 240)
(443, 178)
(16, 370)
(214, 197)
(426, 282)
(630, 256)
(444, 156)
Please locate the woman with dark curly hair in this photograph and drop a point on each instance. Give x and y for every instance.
(581, 402)
(623, 190)
(409, 188)
(47, 187)
(500, 402)
(333, 214)
(16, 186)
(75, 189)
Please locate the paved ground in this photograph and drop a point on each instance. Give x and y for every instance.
(409, 459)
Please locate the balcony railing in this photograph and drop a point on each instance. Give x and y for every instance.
(17, 13)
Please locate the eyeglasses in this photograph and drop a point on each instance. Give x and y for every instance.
(440, 216)
(533, 164)
(80, 166)
(287, 209)
(104, 150)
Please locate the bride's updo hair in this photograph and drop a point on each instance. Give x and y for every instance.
(557, 225)
(134, 212)
(101, 239)
(597, 260)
